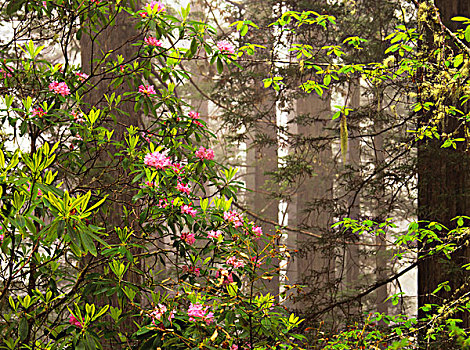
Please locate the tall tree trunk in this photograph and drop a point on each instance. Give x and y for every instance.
(380, 212)
(443, 193)
(352, 263)
(118, 39)
(314, 263)
(261, 160)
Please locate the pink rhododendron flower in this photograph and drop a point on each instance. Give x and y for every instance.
(198, 311)
(195, 117)
(192, 269)
(44, 4)
(227, 276)
(255, 261)
(39, 190)
(258, 232)
(151, 184)
(158, 4)
(157, 314)
(59, 88)
(236, 263)
(183, 188)
(188, 237)
(157, 160)
(147, 90)
(160, 309)
(82, 76)
(152, 4)
(225, 46)
(187, 209)
(205, 153)
(6, 72)
(74, 322)
(214, 234)
(38, 112)
(177, 168)
(162, 203)
(78, 117)
(233, 217)
(234, 347)
(152, 41)
(145, 137)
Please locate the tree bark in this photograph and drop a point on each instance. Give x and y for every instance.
(118, 39)
(443, 193)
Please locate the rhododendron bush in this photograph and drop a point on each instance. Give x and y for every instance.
(122, 239)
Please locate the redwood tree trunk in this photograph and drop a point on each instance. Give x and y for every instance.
(117, 38)
(443, 193)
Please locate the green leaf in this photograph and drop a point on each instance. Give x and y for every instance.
(14, 5)
(244, 30)
(220, 66)
(23, 329)
(467, 34)
(460, 19)
(88, 243)
(193, 47)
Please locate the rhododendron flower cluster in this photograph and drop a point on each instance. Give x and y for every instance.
(147, 90)
(255, 261)
(198, 311)
(78, 117)
(157, 160)
(162, 203)
(195, 117)
(205, 153)
(257, 230)
(59, 88)
(153, 4)
(188, 237)
(227, 276)
(225, 46)
(177, 168)
(183, 188)
(74, 322)
(236, 263)
(145, 137)
(151, 184)
(187, 209)
(233, 217)
(157, 314)
(214, 234)
(38, 112)
(152, 41)
(6, 73)
(39, 190)
(192, 269)
(82, 76)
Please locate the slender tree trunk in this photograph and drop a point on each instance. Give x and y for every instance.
(381, 257)
(352, 263)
